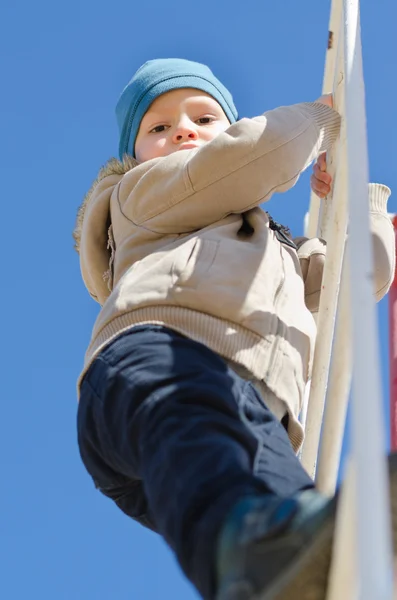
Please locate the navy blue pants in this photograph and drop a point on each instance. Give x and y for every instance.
(175, 437)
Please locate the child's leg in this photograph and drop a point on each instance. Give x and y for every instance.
(164, 415)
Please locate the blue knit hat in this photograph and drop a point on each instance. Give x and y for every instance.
(156, 77)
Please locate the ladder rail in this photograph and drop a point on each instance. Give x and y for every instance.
(374, 543)
(333, 226)
(393, 352)
(366, 499)
(328, 87)
(337, 394)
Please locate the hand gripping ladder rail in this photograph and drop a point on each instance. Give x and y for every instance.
(362, 567)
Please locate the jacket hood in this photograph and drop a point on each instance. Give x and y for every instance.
(114, 166)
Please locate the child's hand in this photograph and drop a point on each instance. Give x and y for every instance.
(326, 99)
(321, 181)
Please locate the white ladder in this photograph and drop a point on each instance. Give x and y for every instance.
(363, 560)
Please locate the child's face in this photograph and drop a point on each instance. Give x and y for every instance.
(179, 120)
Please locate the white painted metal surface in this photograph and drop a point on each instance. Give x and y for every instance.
(337, 394)
(333, 226)
(328, 87)
(374, 545)
(362, 566)
(343, 576)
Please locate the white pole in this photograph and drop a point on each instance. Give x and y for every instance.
(328, 87)
(336, 224)
(343, 577)
(326, 322)
(375, 565)
(337, 394)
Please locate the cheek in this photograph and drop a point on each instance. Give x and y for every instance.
(150, 148)
(211, 133)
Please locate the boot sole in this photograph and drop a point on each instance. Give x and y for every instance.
(307, 579)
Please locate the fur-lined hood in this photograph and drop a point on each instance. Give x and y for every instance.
(113, 167)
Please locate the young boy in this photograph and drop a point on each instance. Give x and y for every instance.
(195, 374)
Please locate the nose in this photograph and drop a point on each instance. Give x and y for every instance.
(184, 131)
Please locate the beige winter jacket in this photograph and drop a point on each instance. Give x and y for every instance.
(181, 241)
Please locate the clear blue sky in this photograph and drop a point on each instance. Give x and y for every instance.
(63, 67)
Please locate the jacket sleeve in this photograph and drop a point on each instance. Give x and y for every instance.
(383, 239)
(238, 170)
(312, 252)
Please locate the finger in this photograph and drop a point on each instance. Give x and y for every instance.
(321, 175)
(322, 193)
(319, 188)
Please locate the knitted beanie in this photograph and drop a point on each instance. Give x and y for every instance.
(156, 77)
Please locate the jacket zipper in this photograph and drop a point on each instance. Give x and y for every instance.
(280, 233)
(284, 239)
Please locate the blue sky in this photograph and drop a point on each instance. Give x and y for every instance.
(63, 67)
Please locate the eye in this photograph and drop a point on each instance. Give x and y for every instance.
(158, 129)
(205, 120)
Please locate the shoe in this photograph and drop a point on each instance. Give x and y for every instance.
(280, 549)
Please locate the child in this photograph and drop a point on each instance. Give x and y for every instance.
(200, 355)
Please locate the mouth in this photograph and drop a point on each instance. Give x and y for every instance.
(187, 146)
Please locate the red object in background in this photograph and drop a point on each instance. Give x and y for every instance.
(393, 354)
